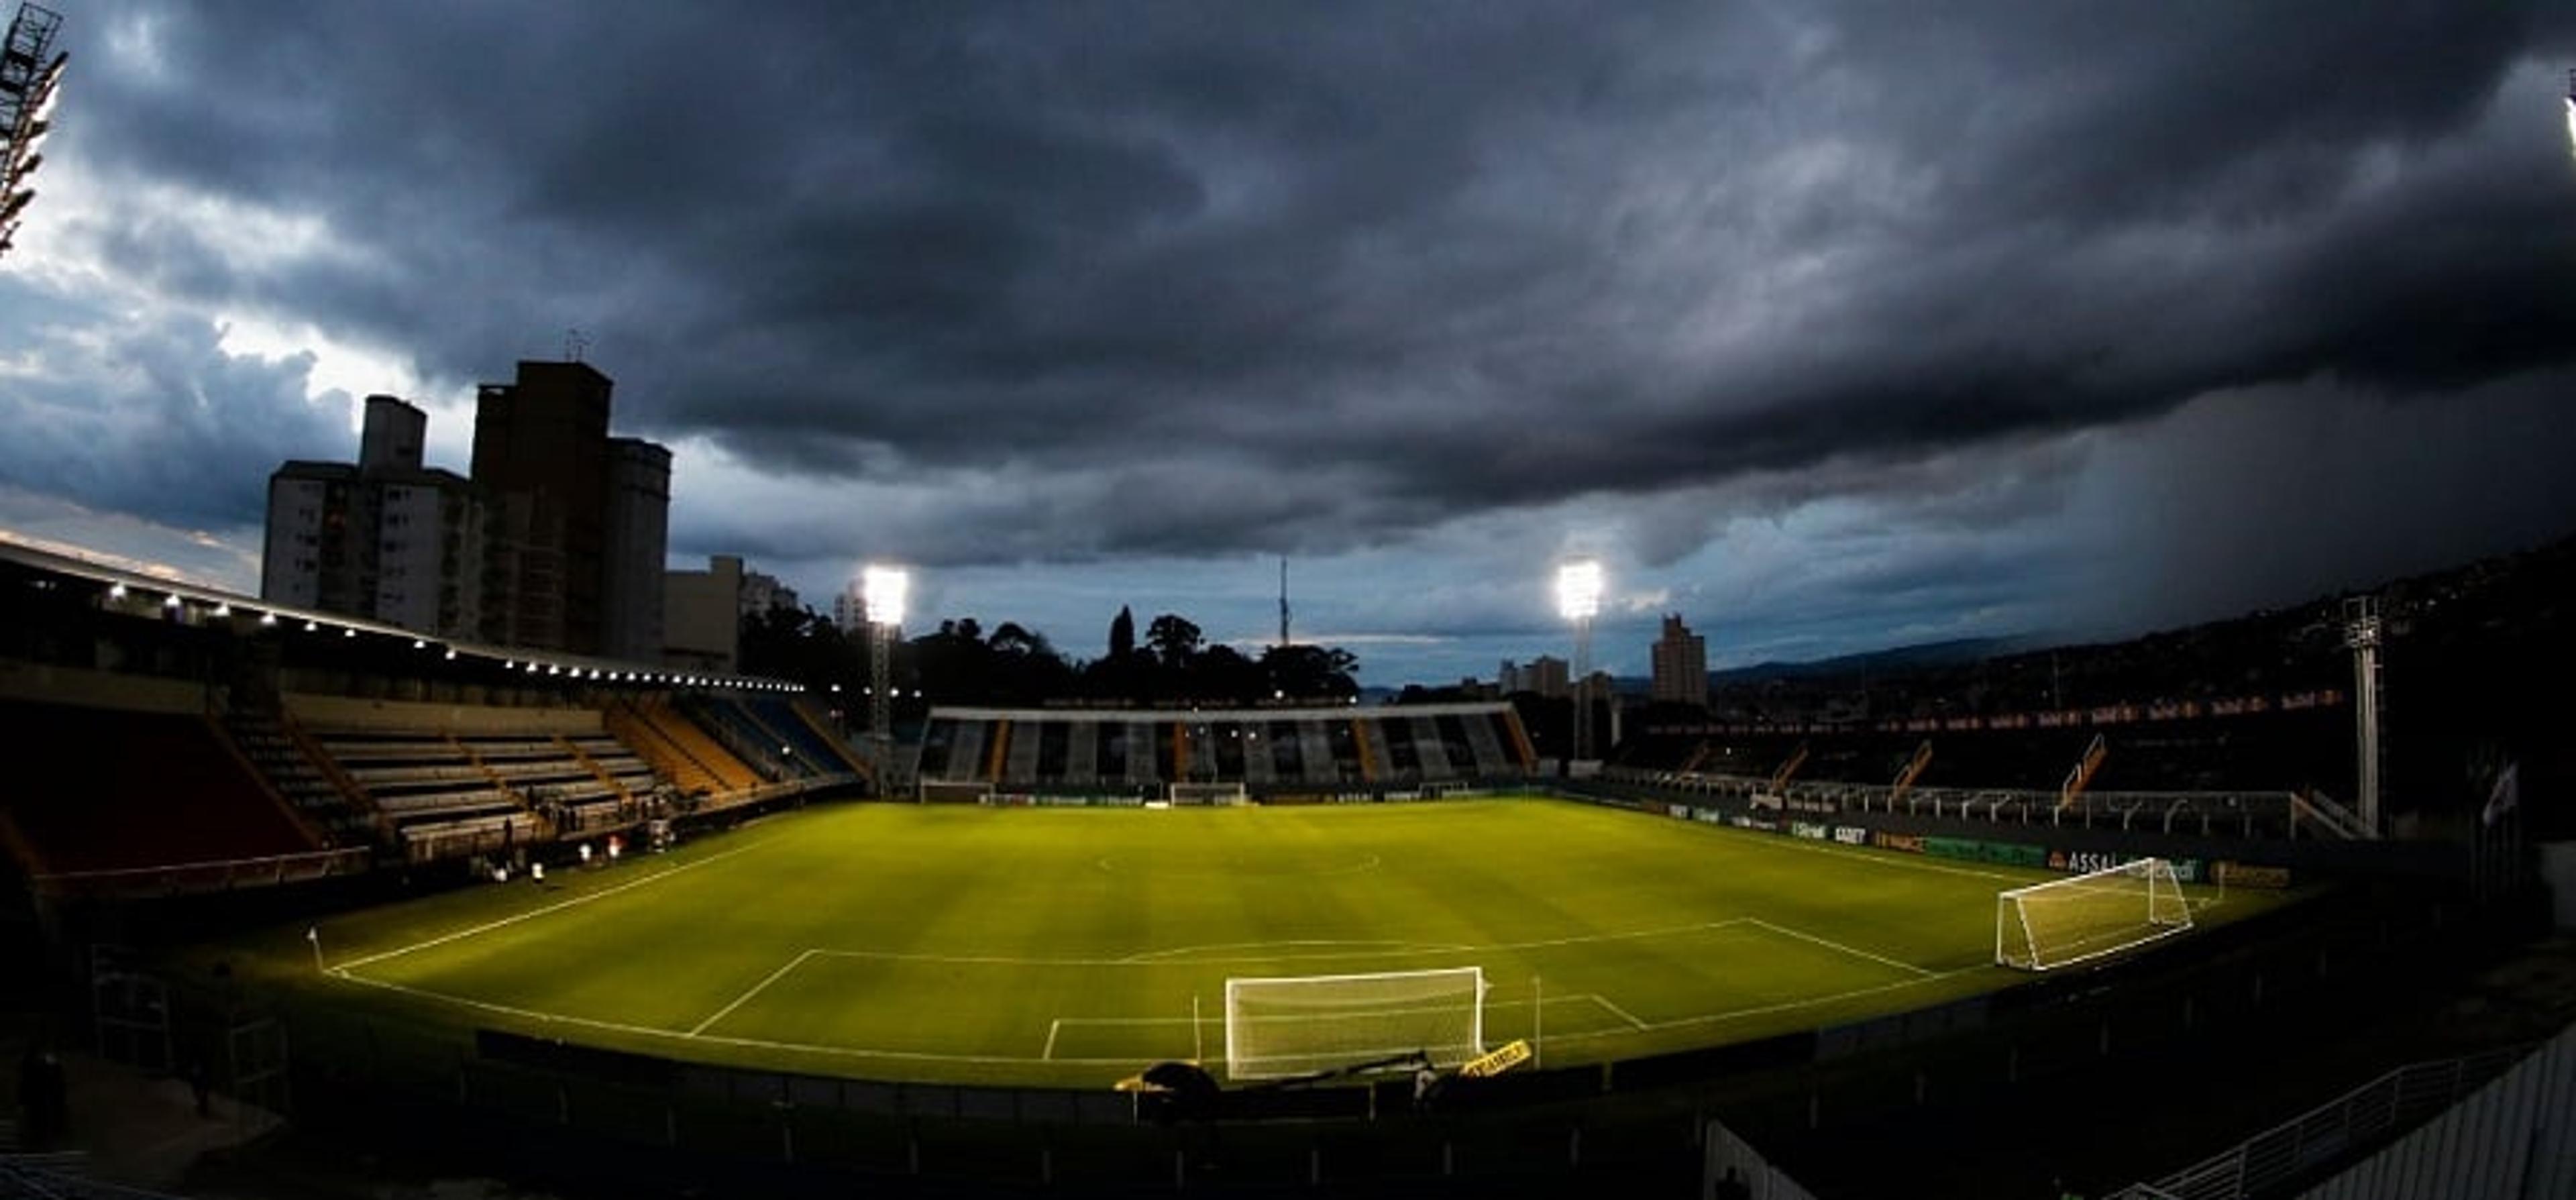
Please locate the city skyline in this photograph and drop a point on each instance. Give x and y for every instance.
(1824, 331)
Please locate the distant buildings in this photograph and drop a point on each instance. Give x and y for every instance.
(556, 543)
(1681, 665)
(1544, 675)
(764, 593)
(385, 538)
(704, 630)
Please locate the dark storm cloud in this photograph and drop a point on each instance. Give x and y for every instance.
(1075, 280)
(151, 416)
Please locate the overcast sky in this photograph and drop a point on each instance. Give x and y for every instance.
(1823, 325)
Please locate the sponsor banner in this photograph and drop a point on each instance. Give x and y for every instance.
(1678, 812)
(1907, 842)
(1813, 806)
(1851, 835)
(2253, 875)
(1765, 824)
(1973, 850)
(1709, 816)
(2084, 862)
(1809, 830)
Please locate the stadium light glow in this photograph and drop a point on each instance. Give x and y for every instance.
(1578, 590)
(116, 591)
(268, 618)
(223, 610)
(886, 590)
(170, 601)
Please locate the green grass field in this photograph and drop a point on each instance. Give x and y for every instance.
(1069, 945)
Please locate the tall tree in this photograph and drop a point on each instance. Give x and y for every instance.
(1122, 633)
(1174, 639)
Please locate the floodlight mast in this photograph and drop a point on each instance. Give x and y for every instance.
(1578, 599)
(30, 73)
(884, 590)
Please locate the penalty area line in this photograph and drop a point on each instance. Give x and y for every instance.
(1830, 944)
(756, 989)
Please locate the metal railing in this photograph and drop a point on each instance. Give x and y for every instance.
(2355, 1121)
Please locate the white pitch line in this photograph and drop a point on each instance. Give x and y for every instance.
(1737, 1014)
(602, 894)
(1144, 959)
(1830, 944)
(718, 1039)
(1383, 947)
(1616, 1011)
(1052, 1028)
(756, 989)
(1884, 857)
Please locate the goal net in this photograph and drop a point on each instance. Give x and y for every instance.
(1207, 793)
(956, 791)
(2068, 921)
(1305, 1024)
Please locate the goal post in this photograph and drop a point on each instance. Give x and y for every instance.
(1300, 1025)
(1206, 793)
(956, 791)
(2067, 921)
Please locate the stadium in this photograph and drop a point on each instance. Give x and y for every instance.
(692, 928)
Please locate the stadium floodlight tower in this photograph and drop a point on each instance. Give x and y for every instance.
(1578, 599)
(885, 590)
(30, 71)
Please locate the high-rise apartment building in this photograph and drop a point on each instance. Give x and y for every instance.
(638, 533)
(577, 522)
(1681, 665)
(386, 538)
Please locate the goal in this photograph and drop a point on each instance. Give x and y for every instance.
(956, 791)
(1301, 1025)
(2067, 921)
(1207, 793)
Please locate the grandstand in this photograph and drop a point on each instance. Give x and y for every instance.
(193, 740)
(1274, 752)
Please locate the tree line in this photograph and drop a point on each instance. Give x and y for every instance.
(962, 663)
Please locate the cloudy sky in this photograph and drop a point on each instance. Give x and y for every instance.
(1821, 324)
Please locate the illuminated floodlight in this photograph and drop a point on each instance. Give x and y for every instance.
(510, 665)
(451, 654)
(268, 618)
(418, 644)
(1578, 590)
(348, 633)
(886, 590)
(310, 626)
(223, 610)
(171, 601)
(116, 591)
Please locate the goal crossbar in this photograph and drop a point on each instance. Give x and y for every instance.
(1297, 1025)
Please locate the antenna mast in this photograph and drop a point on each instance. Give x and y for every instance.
(1283, 600)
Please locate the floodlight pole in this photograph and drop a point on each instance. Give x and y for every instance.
(1582, 688)
(884, 590)
(1578, 597)
(2362, 632)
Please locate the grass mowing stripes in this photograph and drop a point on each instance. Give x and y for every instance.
(1068, 945)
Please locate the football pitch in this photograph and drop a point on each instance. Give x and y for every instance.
(1076, 946)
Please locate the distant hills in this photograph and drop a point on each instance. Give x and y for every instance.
(1952, 653)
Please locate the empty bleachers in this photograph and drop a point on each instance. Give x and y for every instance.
(104, 789)
(1268, 750)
